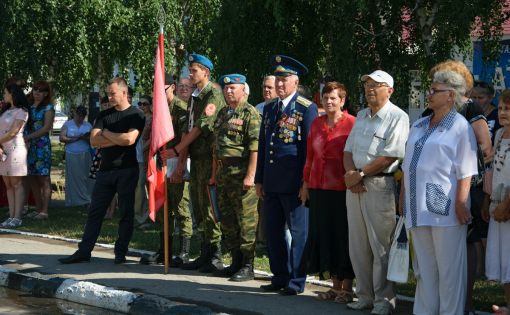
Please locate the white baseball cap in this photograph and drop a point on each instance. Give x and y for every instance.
(379, 76)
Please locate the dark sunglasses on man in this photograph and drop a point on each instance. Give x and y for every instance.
(140, 104)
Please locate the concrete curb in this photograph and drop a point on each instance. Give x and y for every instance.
(92, 294)
(144, 304)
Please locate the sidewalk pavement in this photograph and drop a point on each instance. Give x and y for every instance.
(31, 254)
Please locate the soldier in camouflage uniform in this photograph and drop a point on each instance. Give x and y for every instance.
(203, 106)
(236, 131)
(177, 188)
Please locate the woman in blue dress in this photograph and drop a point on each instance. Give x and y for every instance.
(39, 147)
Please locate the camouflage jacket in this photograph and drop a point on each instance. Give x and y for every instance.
(236, 131)
(202, 111)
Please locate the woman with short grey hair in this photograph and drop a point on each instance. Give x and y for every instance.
(439, 162)
(455, 82)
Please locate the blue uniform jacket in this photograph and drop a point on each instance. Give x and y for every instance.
(282, 145)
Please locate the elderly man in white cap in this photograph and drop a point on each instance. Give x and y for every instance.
(371, 156)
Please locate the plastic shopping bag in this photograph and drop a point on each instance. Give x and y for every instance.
(398, 264)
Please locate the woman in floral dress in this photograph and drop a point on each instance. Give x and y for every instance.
(39, 147)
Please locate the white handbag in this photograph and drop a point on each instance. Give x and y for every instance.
(398, 262)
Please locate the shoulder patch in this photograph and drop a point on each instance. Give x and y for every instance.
(303, 101)
(210, 109)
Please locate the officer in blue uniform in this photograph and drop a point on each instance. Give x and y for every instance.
(285, 125)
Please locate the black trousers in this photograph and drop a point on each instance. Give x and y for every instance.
(108, 183)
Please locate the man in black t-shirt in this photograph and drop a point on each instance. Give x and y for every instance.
(115, 131)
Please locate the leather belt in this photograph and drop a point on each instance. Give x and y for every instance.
(228, 161)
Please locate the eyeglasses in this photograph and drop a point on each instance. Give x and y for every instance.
(38, 89)
(182, 86)
(433, 91)
(373, 85)
(140, 104)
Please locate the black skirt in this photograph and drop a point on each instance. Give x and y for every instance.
(328, 235)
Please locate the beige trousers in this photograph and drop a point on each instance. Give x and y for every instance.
(371, 217)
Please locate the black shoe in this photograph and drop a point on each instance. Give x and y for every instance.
(226, 272)
(205, 256)
(235, 266)
(288, 292)
(119, 260)
(150, 259)
(176, 262)
(271, 287)
(244, 274)
(74, 259)
(215, 261)
(212, 267)
(194, 265)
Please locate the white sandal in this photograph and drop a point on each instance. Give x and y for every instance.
(6, 223)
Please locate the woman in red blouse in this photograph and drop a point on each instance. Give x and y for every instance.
(324, 186)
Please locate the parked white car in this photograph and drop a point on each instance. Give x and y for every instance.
(60, 119)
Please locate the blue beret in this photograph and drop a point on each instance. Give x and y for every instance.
(203, 60)
(233, 78)
(285, 65)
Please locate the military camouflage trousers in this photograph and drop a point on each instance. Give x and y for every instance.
(178, 205)
(239, 215)
(200, 173)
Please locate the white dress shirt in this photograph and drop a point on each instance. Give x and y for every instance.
(436, 159)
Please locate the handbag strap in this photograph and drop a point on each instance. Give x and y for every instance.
(402, 237)
(499, 138)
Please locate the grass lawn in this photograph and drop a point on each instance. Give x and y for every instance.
(69, 222)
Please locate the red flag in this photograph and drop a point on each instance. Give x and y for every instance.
(162, 132)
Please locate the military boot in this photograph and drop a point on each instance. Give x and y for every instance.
(246, 272)
(204, 258)
(237, 263)
(215, 261)
(158, 257)
(183, 257)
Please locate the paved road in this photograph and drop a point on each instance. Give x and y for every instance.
(40, 255)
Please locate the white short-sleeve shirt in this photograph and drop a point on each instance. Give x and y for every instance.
(436, 158)
(74, 131)
(383, 134)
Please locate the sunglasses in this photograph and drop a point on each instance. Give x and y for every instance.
(38, 89)
(143, 104)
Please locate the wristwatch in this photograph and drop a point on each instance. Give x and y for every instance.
(361, 173)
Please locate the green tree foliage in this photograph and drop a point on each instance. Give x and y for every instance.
(76, 43)
(345, 38)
